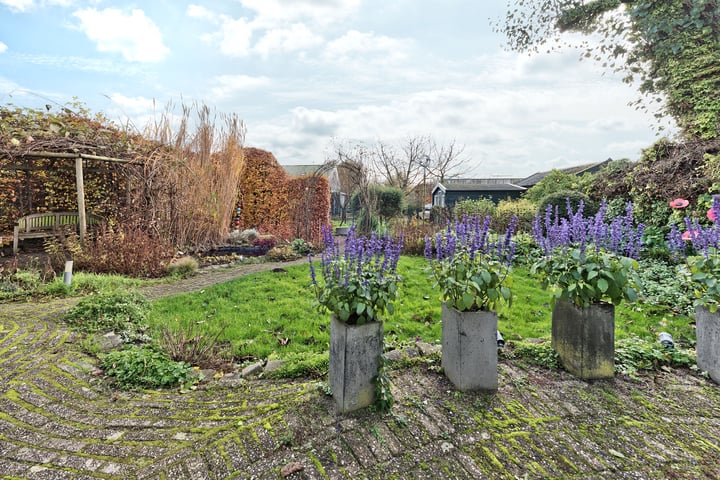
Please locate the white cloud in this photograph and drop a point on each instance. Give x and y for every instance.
(318, 11)
(354, 44)
(3, 47)
(132, 106)
(18, 5)
(21, 6)
(133, 35)
(234, 37)
(81, 63)
(227, 85)
(297, 37)
(198, 11)
(274, 26)
(508, 123)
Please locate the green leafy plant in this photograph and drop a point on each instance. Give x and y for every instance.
(470, 265)
(384, 399)
(585, 279)
(121, 312)
(145, 367)
(704, 273)
(539, 354)
(634, 354)
(481, 207)
(300, 246)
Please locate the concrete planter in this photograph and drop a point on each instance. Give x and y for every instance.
(469, 349)
(584, 338)
(355, 352)
(707, 331)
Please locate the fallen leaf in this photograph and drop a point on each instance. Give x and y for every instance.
(291, 468)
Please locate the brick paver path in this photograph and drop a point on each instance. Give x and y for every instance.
(59, 421)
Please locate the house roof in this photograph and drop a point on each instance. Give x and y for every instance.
(479, 187)
(576, 170)
(481, 181)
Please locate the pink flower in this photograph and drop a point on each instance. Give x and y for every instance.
(711, 214)
(679, 203)
(690, 235)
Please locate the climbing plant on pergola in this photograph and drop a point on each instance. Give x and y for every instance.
(47, 158)
(177, 184)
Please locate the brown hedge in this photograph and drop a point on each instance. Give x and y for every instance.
(272, 202)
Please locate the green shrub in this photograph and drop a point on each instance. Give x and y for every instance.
(559, 200)
(121, 312)
(523, 209)
(527, 251)
(145, 367)
(557, 181)
(390, 201)
(481, 207)
(182, 267)
(300, 246)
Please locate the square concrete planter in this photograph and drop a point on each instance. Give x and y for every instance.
(355, 352)
(584, 339)
(707, 331)
(469, 349)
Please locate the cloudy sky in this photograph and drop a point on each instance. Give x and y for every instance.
(303, 74)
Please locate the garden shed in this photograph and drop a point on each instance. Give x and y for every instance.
(447, 194)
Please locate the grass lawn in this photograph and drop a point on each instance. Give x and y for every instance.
(272, 315)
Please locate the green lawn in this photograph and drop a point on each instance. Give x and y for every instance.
(272, 315)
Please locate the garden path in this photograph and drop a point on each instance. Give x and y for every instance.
(58, 420)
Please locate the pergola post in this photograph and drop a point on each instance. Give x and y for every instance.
(81, 197)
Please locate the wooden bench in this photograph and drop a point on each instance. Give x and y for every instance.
(47, 224)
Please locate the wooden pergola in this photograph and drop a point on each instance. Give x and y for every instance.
(79, 177)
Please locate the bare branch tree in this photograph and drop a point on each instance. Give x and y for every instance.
(446, 161)
(401, 169)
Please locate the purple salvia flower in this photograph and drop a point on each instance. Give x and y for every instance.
(312, 269)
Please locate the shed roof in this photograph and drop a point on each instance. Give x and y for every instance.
(479, 187)
(576, 170)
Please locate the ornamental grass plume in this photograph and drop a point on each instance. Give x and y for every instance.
(588, 259)
(471, 264)
(360, 280)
